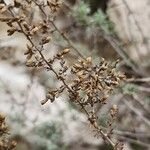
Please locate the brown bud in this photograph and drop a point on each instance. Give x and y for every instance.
(44, 101)
(17, 3)
(3, 9)
(46, 39)
(34, 30)
(30, 64)
(11, 31)
(27, 52)
(13, 145)
(77, 66)
(26, 25)
(114, 111)
(89, 60)
(2, 6)
(65, 51)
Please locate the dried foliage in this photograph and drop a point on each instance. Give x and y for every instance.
(5, 143)
(90, 83)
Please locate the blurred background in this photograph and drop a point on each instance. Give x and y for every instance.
(99, 28)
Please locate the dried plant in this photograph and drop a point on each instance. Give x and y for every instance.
(87, 84)
(5, 143)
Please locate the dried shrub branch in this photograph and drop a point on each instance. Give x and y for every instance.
(90, 84)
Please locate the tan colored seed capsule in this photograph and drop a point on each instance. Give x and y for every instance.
(34, 30)
(11, 31)
(65, 51)
(114, 110)
(13, 145)
(30, 64)
(115, 107)
(46, 39)
(89, 59)
(27, 52)
(44, 101)
(2, 5)
(77, 66)
(3, 9)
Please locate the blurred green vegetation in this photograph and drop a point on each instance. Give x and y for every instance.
(130, 89)
(50, 136)
(99, 19)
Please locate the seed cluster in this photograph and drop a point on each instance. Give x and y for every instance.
(94, 82)
(5, 143)
(87, 84)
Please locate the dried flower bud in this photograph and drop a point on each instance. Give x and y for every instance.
(27, 52)
(17, 3)
(114, 111)
(34, 30)
(77, 66)
(13, 145)
(89, 60)
(2, 6)
(3, 9)
(104, 99)
(46, 40)
(44, 101)
(26, 26)
(65, 51)
(11, 31)
(30, 64)
(2, 118)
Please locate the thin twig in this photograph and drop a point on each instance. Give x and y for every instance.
(135, 141)
(122, 53)
(70, 44)
(136, 98)
(137, 112)
(139, 79)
